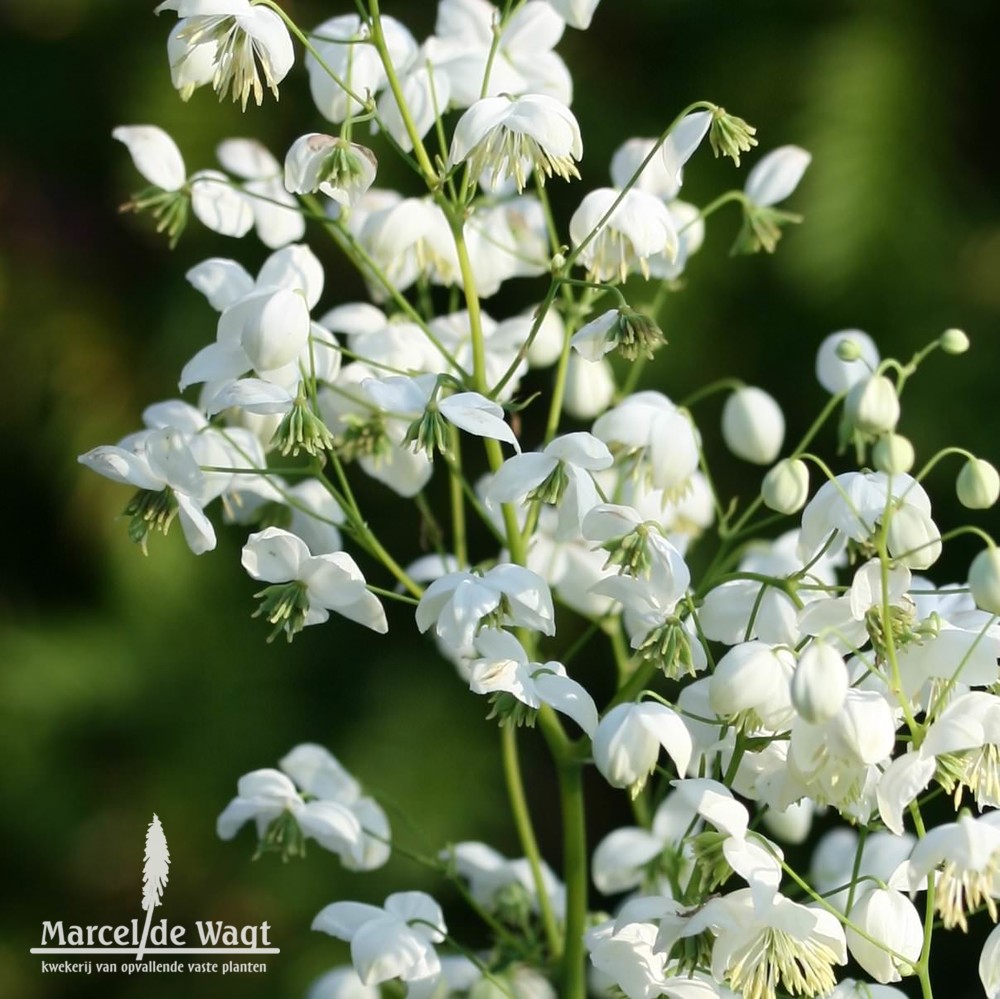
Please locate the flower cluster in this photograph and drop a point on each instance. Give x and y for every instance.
(756, 677)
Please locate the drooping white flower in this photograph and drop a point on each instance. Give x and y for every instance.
(650, 430)
(966, 855)
(339, 169)
(629, 957)
(509, 137)
(819, 683)
(628, 742)
(503, 667)
(245, 41)
(491, 877)
(215, 202)
(396, 941)
(590, 388)
(785, 944)
(637, 228)
(306, 587)
(163, 461)
(662, 176)
(344, 45)
(853, 505)
(751, 682)
(318, 773)
(458, 603)
(270, 799)
(417, 400)
(524, 63)
(560, 475)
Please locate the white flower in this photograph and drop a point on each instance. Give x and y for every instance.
(753, 426)
(215, 202)
(266, 795)
(277, 224)
(396, 941)
(524, 63)
(307, 587)
(756, 950)
(344, 46)
(508, 137)
(630, 957)
(244, 40)
(639, 227)
(504, 667)
(752, 681)
(663, 175)
(412, 399)
(458, 603)
(837, 375)
(491, 875)
(650, 429)
(628, 742)
(339, 169)
(560, 475)
(853, 505)
(966, 855)
(317, 772)
(890, 918)
(163, 462)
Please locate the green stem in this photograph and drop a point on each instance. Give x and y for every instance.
(574, 966)
(526, 833)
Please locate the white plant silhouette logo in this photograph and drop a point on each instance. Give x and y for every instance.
(155, 868)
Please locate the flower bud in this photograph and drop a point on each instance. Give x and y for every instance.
(978, 485)
(753, 426)
(848, 350)
(954, 342)
(792, 824)
(786, 487)
(893, 454)
(819, 683)
(589, 388)
(872, 405)
(984, 580)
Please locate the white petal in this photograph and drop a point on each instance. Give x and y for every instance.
(154, 154)
(475, 414)
(571, 698)
(218, 205)
(221, 281)
(274, 555)
(343, 919)
(247, 158)
(776, 176)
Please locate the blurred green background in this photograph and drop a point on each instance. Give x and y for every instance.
(132, 685)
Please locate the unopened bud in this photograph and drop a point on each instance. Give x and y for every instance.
(753, 426)
(893, 454)
(984, 580)
(978, 485)
(848, 350)
(872, 405)
(954, 342)
(786, 487)
(819, 683)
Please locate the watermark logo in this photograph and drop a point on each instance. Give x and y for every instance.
(126, 949)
